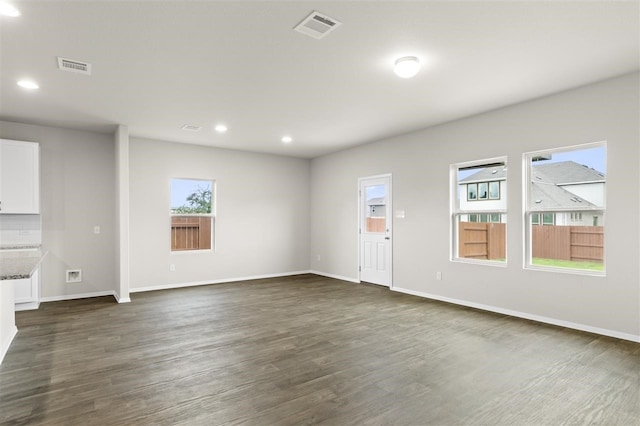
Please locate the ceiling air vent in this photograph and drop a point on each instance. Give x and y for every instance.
(191, 128)
(74, 66)
(317, 25)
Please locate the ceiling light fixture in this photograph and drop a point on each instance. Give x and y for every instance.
(221, 128)
(287, 139)
(8, 10)
(28, 84)
(407, 67)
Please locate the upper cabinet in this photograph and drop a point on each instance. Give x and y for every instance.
(19, 177)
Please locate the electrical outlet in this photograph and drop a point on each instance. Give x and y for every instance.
(96, 230)
(438, 276)
(74, 275)
(172, 267)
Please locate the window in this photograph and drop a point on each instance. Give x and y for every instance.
(192, 213)
(479, 211)
(565, 208)
(494, 190)
(483, 191)
(547, 219)
(472, 191)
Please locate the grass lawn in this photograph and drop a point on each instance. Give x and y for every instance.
(555, 263)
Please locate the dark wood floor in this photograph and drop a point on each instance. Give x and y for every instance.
(303, 350)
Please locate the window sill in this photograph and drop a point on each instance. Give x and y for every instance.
(182, 252)
(480, 262)
(569, 271)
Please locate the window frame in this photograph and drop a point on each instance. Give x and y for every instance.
(498, 183)
(469, 186)
(530, 209)
(456, 211)
(211, 215)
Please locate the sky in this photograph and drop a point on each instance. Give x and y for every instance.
(182, 188)
(376, 191)
(592, 157)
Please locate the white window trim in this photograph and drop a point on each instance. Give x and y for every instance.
(526, 222)
(455, 211)
(212, 215)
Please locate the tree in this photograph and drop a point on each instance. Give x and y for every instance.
(199, 201)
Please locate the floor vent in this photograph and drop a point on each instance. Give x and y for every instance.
(317, 25)
(191, 128)
(74, 66)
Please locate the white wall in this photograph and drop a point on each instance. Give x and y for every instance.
(77, 173)
(262, 223)
(20, 229)
(420, 165)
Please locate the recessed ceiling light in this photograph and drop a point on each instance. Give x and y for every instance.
(407, 67)
(221, 128)
(8, 10)
(28, 84)
(287, 139)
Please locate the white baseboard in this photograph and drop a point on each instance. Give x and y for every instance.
(337, 277)
(207, 282)
(538, 318)
(79, 296)
(121, 299)
(4, 348)
(28, 306)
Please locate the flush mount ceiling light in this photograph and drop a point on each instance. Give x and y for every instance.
(8, 10)
(287, 139)
(28, 84)
(221, 128)
(407, 67)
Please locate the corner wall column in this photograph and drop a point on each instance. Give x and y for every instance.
(122, 213)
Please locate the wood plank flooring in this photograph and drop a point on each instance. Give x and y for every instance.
(307, 350)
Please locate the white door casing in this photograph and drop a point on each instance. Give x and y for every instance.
(375, 229)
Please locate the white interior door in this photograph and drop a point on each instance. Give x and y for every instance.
(375, 230)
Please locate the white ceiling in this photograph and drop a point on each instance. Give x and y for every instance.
(160, 65)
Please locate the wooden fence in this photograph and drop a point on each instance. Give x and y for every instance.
(575, 243)
(376, 224)
(190, 233)
(479, 240)
(578, 243)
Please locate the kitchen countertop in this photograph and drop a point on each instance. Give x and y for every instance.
(19, 262)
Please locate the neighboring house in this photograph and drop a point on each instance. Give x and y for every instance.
(484, 191)
(377, 207)
(563, 185)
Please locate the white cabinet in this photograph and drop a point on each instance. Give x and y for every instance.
(19, 177)
(27, 291)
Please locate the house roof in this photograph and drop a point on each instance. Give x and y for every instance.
(549, 195)
(560, 173)
(487, 174)
(565, 172)
(376, 201)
